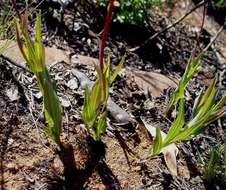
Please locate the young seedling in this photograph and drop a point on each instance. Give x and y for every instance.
(94, 113)
(34, 55)
(205, 111)
(190, 70)
(214, 168)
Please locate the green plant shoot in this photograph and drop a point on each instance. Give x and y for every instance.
(205, 111)
(214, 168)
(190, 70)
(34, 55)
(94, 111)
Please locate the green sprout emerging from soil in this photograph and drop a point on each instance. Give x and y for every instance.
(190, 70)
(94, 113)
(205, 111)
(215, 169)
(34, 54)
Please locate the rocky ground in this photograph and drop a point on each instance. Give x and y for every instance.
(28, 157)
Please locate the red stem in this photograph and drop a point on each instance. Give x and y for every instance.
(105, 33)
(203, 19)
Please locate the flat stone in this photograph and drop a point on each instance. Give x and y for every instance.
(72, 84)
(152, 82)
(53, 55)
(12, 167)
(13, 93)
(84, 60)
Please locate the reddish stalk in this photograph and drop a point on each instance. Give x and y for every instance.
(105, 33)
(203, 19)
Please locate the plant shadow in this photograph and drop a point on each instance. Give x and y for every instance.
(216, 184)
(75, 178)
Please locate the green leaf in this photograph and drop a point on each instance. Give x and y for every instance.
(40, 52)
(20, 42)
(171, 103)
(194, 129)
(220, 103)
(29, 45)
(205, 113)
(214, 161)
(117, 70)
(211, 167)
(157, 143)
(34, 54)
(205, 96)
(106, 88)
(191, 68)
(103, 81)
(89, 113)
(101, 126)
(215, 115)
(204, 109)
(176, 126)
(197, 103)
(107, 68)
(49, 133)
(52, 110)
(38, 36)
(95, 96)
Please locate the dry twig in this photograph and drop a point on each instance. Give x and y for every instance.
(169, 26)
(14, 63)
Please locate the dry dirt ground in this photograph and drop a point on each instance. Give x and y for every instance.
(29, 160)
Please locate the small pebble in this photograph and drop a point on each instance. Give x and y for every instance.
(88, 42)
(137, 168)
(101, 187)
(12, 167)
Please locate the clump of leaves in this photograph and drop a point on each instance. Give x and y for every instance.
(216, 166)
(134, 11)
(192, 68)
(220, 3)
(94, 112)
(205, 111)
(34, 55)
